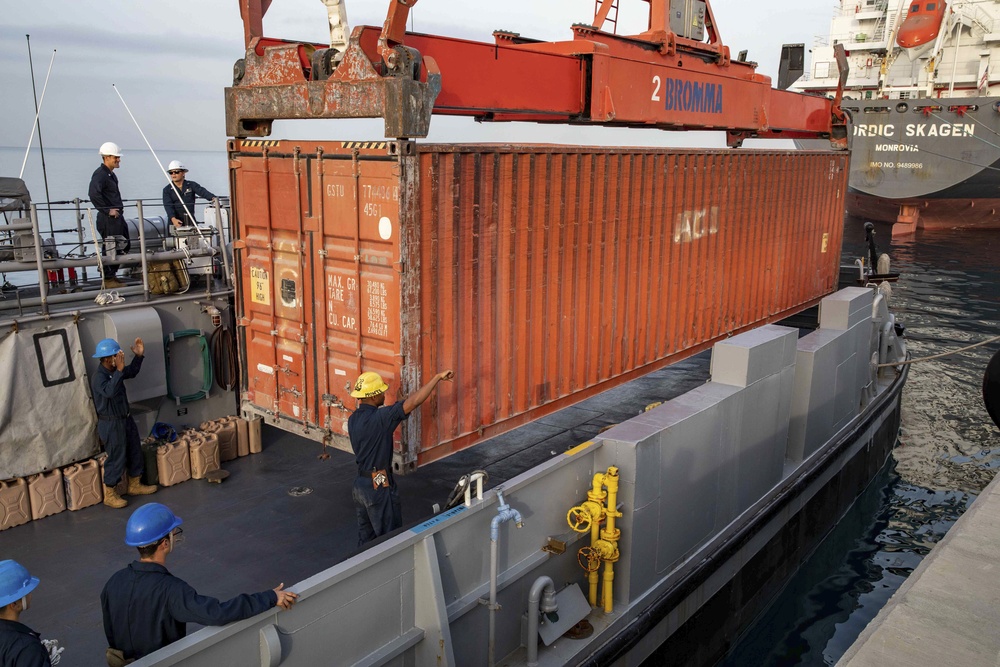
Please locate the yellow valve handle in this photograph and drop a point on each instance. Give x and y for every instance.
(578, 519)
(589, 559)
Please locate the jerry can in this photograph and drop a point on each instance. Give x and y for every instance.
(15, 507)
(45, 490)
(82, 484)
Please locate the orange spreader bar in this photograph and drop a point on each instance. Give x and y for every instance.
(656, 80)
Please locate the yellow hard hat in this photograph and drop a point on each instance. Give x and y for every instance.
(368, 384)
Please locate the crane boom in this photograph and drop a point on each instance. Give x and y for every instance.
(656, 79)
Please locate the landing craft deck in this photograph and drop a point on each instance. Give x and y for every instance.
(540, 274)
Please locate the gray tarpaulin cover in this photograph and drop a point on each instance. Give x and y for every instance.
(47, 417)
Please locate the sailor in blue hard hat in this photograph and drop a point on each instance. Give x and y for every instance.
(19, 645)
(145, 607)
(115, 426)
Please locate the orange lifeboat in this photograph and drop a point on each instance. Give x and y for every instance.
(922, 24)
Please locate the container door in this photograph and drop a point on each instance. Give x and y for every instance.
(360, 277)
(270, 204)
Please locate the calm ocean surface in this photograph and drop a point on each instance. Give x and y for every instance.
(948, 296)
(69, 171)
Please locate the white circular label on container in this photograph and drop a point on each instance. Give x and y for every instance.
(384, 228)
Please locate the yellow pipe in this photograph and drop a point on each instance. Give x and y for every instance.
(605, 542)
(611, 535)
(597, 492)
(609, 577)
(596, 511)
(611, 480)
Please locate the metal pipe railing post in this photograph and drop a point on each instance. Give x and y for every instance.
(222, 241)
(43, 278)
(142, 249)
(79, 232)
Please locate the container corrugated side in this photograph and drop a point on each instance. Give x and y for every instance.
(540, 274)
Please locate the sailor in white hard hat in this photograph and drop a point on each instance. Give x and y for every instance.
(181, 189)
(107, 199)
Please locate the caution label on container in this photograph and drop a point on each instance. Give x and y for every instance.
(260, 286)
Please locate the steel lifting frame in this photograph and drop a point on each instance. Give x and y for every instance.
(656, 79)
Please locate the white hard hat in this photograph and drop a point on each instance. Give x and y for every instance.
(176, 164)
(110, 148)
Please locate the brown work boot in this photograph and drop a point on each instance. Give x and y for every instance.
(137, 488)
(112, 499)
(111, 283)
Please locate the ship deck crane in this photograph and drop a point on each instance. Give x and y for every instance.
(660, 78)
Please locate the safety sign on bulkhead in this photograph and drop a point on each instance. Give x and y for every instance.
(260, 286)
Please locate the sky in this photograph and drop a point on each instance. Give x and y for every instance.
(170, 61)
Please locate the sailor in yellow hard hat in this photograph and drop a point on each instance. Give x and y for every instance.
(370, 429)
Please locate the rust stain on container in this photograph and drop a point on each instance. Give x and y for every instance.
(540, 274)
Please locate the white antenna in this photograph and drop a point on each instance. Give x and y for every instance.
(34, 124)
(158, 163)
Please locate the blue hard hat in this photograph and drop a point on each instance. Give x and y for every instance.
(15, 582)
(108, 347)
(149, 524)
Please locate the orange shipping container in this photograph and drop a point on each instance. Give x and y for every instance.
(540, 274)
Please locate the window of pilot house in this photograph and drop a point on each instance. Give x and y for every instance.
(931, 6)
(914, 9)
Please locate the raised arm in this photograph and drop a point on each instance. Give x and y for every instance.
(413, 402)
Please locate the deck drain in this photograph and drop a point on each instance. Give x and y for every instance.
(299, 491)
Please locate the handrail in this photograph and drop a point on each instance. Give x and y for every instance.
(55, 260)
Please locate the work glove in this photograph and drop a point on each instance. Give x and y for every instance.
(54, 649)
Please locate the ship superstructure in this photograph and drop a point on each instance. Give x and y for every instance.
(921, 95)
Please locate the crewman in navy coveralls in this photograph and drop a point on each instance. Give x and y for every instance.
(107, 199)
(115, 426)
(19, 645)
(145, 607)
(188, 189)
(370, 429)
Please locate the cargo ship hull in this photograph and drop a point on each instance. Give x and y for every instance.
(925, 163)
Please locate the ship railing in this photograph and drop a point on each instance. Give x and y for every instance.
(873, 38)
(49, 259)
(975, 15)
(862, 8)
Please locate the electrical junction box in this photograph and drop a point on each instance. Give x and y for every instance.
(687, 18)
(195, 238)
(24, 246)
